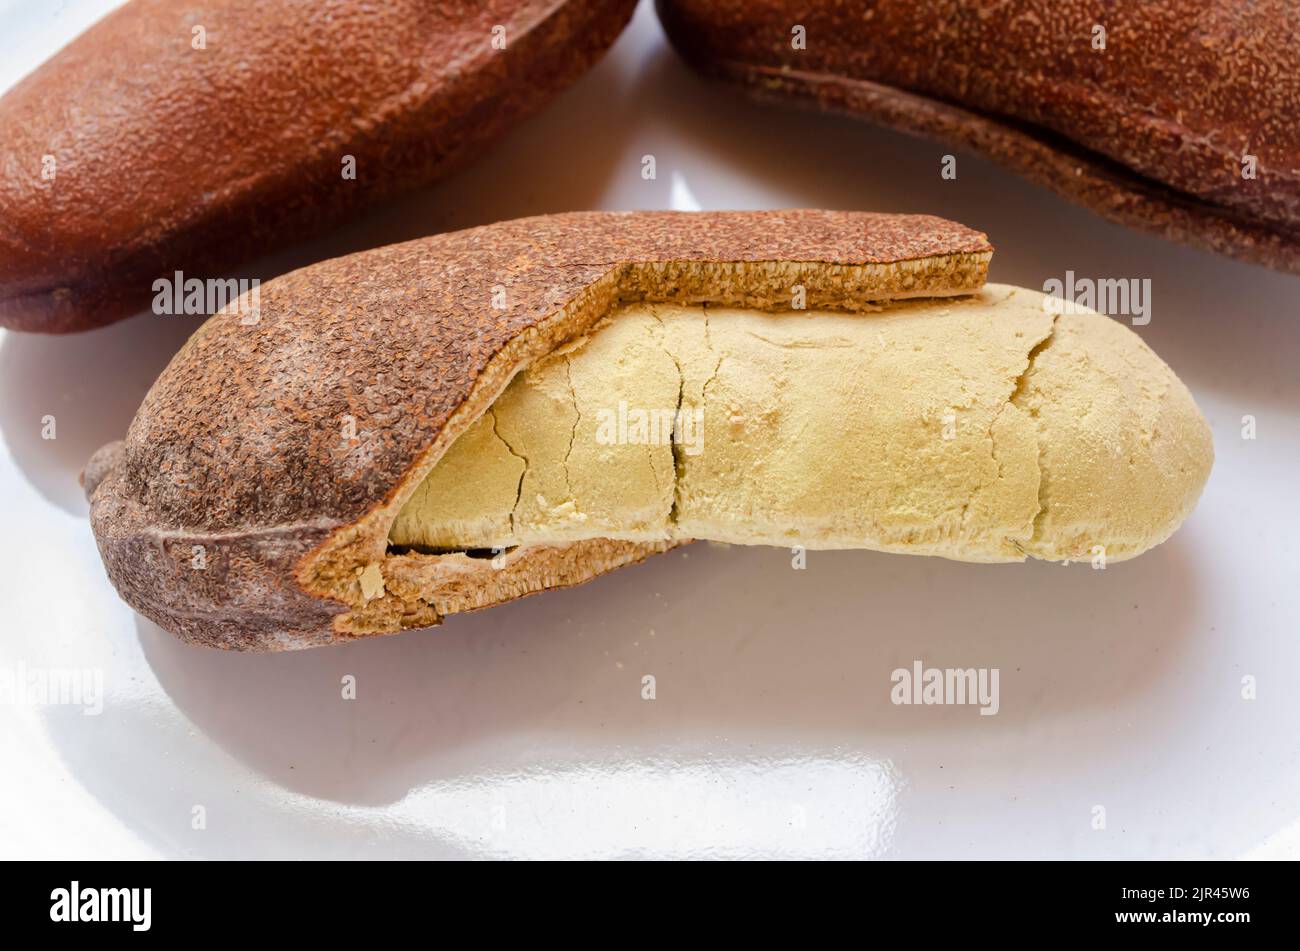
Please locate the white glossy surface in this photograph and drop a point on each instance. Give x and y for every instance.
(521, 732)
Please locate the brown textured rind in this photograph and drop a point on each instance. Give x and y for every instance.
(171, 158)
(278, 453)
(1151, 132)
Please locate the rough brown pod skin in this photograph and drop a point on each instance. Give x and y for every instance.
(1151, 132)
(241, 507)
(172, 158)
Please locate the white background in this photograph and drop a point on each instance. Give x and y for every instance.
(520, 731)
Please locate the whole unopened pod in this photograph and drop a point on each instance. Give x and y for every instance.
(450, 423)
(175, 136)
(1180, 117)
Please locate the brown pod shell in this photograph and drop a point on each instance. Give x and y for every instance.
(258, 482)
(1182, 118)
(171, 136)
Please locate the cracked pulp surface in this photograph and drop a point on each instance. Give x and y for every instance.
(922, 427)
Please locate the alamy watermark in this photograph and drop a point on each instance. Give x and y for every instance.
(637, 426)
(177, 295)
(1113, 296)
(25, 686)
(975, 686)
(79, 903)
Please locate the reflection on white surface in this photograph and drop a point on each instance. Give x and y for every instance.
(681, 198)
(776, 808)
(521, 731)
(1285, 845)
